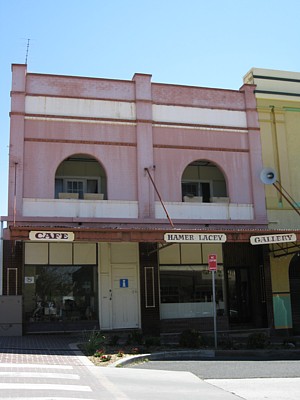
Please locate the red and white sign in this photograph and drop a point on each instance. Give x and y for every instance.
(212, 262)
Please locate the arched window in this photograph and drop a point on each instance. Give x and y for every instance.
(80, 176)
(203, 181)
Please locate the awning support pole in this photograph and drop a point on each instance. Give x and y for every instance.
(286, 195)
(159, 196)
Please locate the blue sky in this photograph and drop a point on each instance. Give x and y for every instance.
(210, 43)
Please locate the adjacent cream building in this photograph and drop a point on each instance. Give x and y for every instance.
(278, 103)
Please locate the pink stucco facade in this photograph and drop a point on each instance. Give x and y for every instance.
(128, 126)
(103, 175)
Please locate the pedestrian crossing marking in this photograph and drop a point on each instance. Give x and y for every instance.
(50, 375)
(44, 398)
(15, 365)
(44, 386)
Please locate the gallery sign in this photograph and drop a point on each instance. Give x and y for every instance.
(270, 239)
(195, 237)
(51, 236)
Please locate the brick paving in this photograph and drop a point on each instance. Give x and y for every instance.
(39, 349)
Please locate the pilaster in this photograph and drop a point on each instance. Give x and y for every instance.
(255, 153)
(144, 138)
(16, 147)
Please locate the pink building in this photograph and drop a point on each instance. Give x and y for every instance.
(119, 191)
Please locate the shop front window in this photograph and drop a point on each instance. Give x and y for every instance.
(60, 293)
(186, 291)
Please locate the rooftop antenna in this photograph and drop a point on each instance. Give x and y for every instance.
(27, 51)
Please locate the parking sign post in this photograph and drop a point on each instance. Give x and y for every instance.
(212, 266)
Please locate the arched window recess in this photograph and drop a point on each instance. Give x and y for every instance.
(80, 177)
(203, 181)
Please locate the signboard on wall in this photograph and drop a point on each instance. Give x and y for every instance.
(270, 239)
(51, 236)
(29, 279)
(185, 237)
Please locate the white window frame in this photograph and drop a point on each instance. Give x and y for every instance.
(198, 182)
(83, 179)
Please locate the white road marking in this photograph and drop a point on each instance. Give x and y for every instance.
(44, 398)
(44, 386)
(14, 365)
(51, 375)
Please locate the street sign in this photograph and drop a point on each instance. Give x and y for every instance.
(212, 262)
(212, 266)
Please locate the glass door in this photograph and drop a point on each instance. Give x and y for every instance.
(238, 291)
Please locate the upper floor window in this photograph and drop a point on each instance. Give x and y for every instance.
(76, 185)
(81, 177)
(203, 181)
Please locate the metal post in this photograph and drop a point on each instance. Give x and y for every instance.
(214, 308)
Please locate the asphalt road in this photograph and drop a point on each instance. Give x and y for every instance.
(247, 380)
(224, 369)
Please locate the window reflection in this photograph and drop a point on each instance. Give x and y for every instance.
(60, 293)
(183, 286)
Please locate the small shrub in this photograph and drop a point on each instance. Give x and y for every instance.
(227, 343)
(92, 341)
(135, 350)
(152, 341)
(105, 357)
(120, 353)
(207, 341)
(114, 340)
(289, 344)
(257, 340)
(99, 353)
(190, 338)
(135, 337)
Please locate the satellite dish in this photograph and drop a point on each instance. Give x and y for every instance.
(268, 176)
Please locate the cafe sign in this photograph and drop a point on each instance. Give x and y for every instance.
(270, 239)
(51, 236)
(194, 237)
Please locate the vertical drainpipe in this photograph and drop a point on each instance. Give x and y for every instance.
(276, 149)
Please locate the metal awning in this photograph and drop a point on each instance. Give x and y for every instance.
(144, 233)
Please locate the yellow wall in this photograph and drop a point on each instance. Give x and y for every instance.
(280, 274)
(60, 253)
(278, 104)
(279, 125)
(190, 253)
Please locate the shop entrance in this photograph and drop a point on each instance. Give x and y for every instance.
(244, 272)
(238, 294)
(124, 297)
